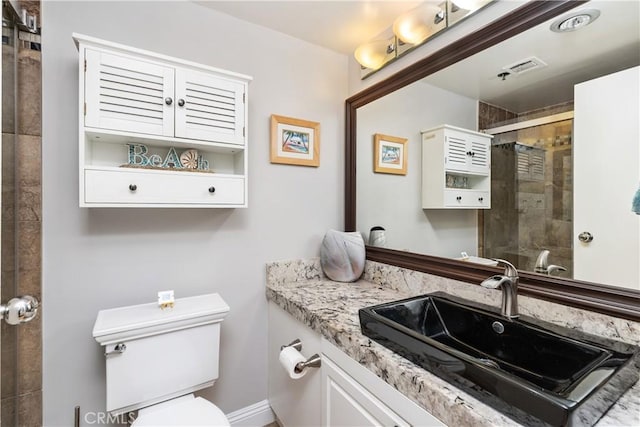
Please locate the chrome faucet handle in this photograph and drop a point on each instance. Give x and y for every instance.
(552, 268)
(542, 261)
(509, 269)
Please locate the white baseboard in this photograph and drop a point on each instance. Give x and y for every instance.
(256, 415)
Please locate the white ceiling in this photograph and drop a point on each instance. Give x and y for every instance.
(338, 25)
(609, 44)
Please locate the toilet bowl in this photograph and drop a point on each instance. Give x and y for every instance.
(183, 411)
(170, 352)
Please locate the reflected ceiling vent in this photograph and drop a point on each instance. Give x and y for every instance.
(524, 66)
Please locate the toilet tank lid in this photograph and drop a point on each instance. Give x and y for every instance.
(137, 321)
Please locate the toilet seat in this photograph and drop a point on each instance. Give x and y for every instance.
(183, 411)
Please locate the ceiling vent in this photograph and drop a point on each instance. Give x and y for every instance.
(524, 65)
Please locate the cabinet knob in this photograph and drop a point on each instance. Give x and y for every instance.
(133, 187)
(181, 102)
(168, 100)
(212, 190)
(480, 199)
(459, 198)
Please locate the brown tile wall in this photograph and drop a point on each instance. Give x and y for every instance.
(21, 358)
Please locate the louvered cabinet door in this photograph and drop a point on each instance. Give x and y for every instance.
(209, 108)
(456, 153)
(128, 95)
(480, 157)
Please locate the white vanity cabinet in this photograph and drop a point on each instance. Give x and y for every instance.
(347, 403)
(164, 107)
(340, 393)
(456, 169)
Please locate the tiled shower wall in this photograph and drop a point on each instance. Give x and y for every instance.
(21, 391)
(531, 215)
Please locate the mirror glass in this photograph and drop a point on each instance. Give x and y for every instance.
(553, 178)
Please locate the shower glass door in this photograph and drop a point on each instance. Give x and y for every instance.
(532, 203)
(20, 221)
(9, 334)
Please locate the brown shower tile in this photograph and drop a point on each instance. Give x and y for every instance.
(491, 115)
(30, 246)
(29, 160)
(8, 113)
(30, 282)
(30, 355)
(29, 108)
(29, 409)
(8, 282)
(30, 203)
(8, 359)
(8, 411)
(8, 159)
(8, 251)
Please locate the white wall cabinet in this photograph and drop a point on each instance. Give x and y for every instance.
(456, 169)
(341, 393)
(131, 96)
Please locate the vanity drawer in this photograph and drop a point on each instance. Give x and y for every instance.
(161, 188)
(466, 198)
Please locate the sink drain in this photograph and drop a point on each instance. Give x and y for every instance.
(497, 327)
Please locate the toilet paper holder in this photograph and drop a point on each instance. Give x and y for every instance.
(311, 362)
(297, 344)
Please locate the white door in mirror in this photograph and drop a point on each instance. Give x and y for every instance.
(606, 164)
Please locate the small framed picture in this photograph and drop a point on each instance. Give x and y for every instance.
(389, 154)
(295, 141)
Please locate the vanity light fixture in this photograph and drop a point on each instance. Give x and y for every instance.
(575, 21)
(412, 29)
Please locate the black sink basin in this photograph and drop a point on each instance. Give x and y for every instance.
(558, 375)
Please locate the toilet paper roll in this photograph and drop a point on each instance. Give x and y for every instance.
(289, 358)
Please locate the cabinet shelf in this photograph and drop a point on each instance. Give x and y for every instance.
(119, 137)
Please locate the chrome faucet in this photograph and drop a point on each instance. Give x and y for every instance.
(543, 267)
(508, 282)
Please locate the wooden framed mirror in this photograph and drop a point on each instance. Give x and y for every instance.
(599, 297)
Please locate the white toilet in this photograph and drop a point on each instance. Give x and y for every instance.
(156, 358)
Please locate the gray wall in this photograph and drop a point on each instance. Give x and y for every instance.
(395, 201)
(102, 258)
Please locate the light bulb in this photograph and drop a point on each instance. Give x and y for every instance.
(374, 54)
(417, 25)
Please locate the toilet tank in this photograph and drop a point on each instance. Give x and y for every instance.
(165, 353)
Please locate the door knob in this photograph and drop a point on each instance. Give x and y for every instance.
(19, 310)
(585, 237)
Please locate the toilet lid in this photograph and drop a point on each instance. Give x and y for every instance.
(184, 411)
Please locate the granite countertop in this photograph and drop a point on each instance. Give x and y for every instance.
(331, 309)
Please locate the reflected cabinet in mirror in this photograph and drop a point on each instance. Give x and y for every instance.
(560, 112)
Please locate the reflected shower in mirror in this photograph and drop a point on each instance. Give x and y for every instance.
(554, 176)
